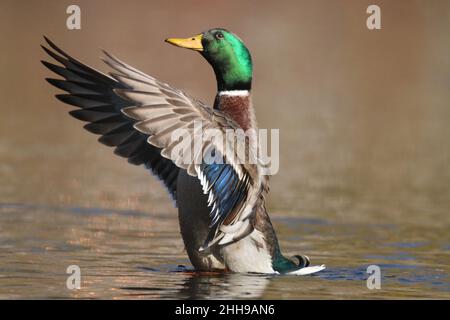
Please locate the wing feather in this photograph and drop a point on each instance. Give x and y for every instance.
(93, 93)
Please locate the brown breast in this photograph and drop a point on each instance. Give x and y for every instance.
(239, 108)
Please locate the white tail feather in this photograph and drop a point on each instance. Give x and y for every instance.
(307, 270)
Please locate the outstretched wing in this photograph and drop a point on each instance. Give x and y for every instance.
(93, 93)
(175, 122)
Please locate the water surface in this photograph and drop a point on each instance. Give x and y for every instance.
(126, 254)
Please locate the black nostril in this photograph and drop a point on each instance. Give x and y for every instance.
(193, 38)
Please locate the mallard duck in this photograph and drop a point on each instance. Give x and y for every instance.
(223, 219)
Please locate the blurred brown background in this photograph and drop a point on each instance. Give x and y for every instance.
(364, 115)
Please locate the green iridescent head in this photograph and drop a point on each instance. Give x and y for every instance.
(226, 53)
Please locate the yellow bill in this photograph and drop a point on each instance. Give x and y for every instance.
(193, 43)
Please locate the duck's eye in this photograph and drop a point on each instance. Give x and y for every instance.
(219, 36)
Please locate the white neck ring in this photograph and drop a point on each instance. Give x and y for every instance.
(234, 93)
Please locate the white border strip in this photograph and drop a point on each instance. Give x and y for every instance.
(234, 93)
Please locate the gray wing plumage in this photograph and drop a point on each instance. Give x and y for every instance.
(92, 92)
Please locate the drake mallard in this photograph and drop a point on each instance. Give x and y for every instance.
(223, 219)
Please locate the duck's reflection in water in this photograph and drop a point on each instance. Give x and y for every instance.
(204, 285)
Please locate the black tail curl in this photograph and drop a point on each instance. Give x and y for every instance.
(302, 261)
